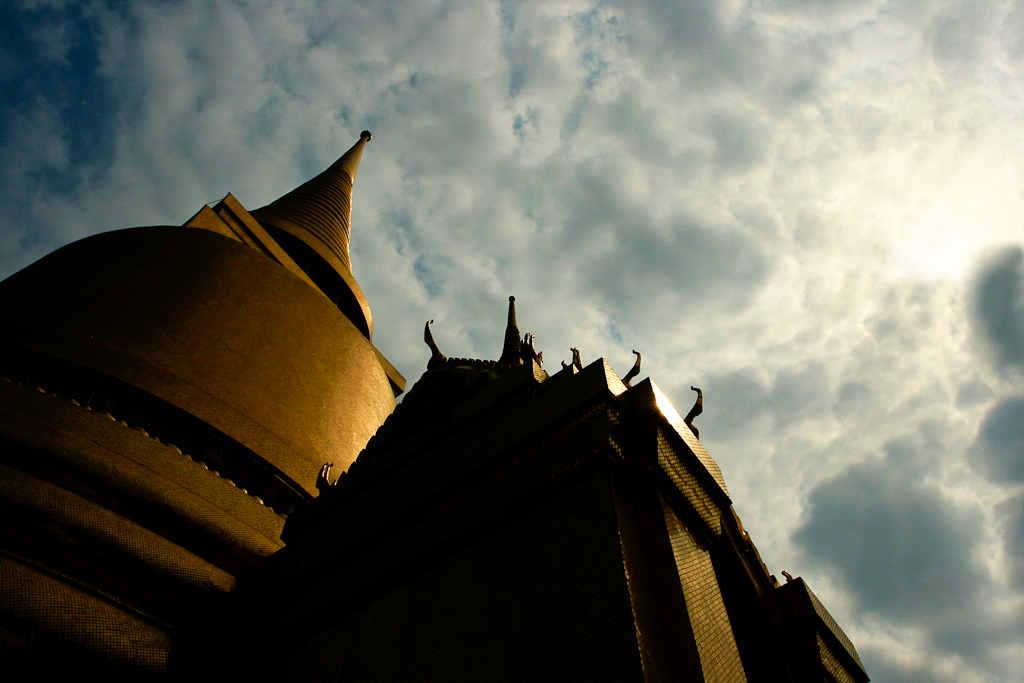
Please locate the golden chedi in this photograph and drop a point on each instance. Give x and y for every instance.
(171, 394)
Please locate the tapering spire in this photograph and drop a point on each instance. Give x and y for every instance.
(510, 351)
(321, 208)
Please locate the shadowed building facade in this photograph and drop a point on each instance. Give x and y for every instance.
(172, 396)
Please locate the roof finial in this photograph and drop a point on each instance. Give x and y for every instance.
(510, 351)
(321, 208)
(436, 357)
(528, 352)
(323, 480)
(697, 409)
(633, 371)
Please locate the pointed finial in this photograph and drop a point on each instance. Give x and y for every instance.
(320, 209)
(510, 351)
(697, 409)
(633, 371)
(436, 357)
(349, 161)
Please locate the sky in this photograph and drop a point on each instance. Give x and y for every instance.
(812, 210)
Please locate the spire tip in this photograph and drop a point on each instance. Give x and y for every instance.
(510, 350)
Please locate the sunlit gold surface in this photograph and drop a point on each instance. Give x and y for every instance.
(217, 329)
(167, 397)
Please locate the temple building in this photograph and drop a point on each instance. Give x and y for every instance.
(204, 472)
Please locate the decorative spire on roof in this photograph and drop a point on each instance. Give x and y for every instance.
(321, 207)
(510, 351)
(515, 353)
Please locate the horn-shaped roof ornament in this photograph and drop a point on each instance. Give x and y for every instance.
(436, 357)
(633, 371)
(697, 409)
(510, 351)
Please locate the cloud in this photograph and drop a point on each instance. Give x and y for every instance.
(824, 15)
(905, 550)
(686, 266)
(911, 554)
(1012, 514)
(1012, 33)
(973, 392)
(997, 307)
(960, 38)
(739, 399)
(800, 392)
(740, 144)
(998, 452)
(883, 668)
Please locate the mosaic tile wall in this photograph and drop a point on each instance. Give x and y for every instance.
(719, 655)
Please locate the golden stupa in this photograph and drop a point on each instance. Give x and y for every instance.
(171, 394)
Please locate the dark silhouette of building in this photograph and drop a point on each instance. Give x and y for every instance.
(179, 403)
